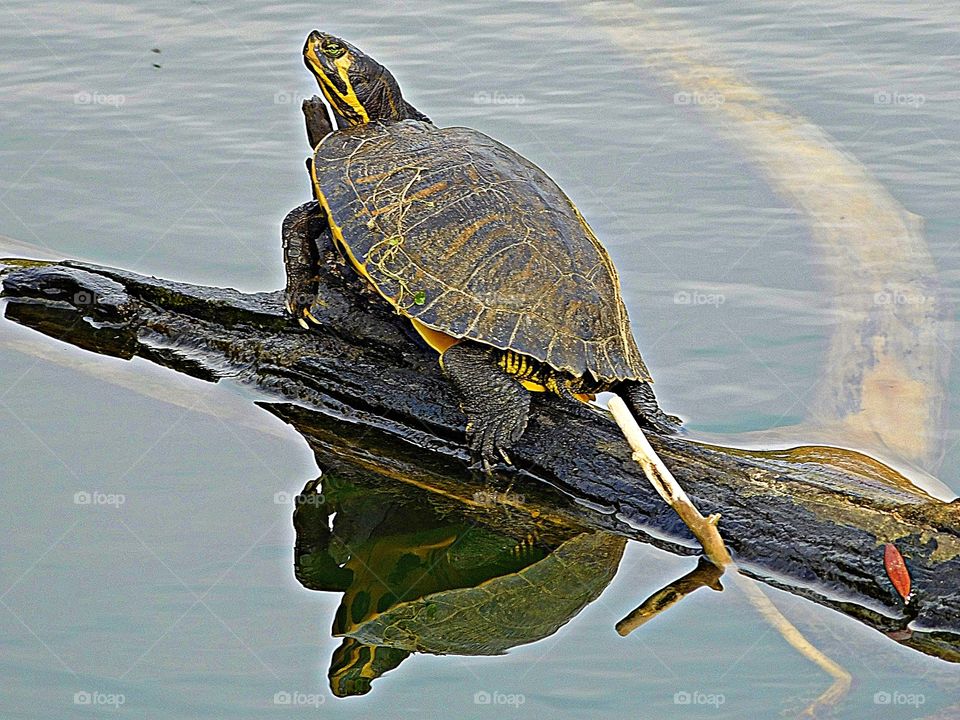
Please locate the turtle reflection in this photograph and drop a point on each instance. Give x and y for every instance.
(419, 575)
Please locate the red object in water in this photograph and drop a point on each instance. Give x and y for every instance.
(897, 570)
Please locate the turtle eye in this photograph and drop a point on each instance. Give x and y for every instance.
(332, 49)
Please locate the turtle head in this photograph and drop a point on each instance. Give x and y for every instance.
(358, 88)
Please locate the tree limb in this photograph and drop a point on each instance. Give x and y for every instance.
(810, 520)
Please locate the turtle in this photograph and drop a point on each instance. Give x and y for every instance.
(484, 254)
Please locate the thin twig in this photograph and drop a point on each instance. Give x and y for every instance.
(703, 528)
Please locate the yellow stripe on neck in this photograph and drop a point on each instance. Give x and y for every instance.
(350, 98)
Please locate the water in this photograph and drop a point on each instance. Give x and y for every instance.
(182, 599)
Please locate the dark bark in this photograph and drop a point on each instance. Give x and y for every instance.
(811, 521)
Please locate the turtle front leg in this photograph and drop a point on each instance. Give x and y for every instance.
(496, 405)
(301, 228)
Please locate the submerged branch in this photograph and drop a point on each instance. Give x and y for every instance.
(889, 351)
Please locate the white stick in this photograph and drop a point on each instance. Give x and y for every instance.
(704, 529)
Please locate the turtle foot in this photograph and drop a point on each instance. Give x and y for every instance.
(496, 405)
(642, 403)
(301, 228)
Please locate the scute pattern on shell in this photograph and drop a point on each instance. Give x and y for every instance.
(473, 240)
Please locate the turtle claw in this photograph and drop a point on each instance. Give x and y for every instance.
(495, 435)
(300, 311)
(495, 404)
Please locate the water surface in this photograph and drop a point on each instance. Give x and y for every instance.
(182, 599)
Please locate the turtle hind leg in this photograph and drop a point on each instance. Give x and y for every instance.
(301, 228)
(496, 405)
(643, 404)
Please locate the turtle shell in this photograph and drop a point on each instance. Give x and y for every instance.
(468, 238)
(503, 611)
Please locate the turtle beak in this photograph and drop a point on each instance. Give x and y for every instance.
(310, 57)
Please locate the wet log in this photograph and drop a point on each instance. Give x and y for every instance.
(813, 520)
